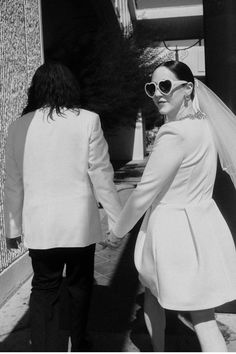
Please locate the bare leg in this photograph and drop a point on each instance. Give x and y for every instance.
(208, 333)
(155, 320)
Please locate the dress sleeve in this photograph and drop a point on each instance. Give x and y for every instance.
(101, 173)
(163, 164)
(13, 190)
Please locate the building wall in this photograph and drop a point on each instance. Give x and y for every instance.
(123, 16)
(143, 4)
(220, 31)
(191, 52)
(20, 55)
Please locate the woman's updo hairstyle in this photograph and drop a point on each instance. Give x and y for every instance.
(181, 71)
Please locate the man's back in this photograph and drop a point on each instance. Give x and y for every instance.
(54, 158)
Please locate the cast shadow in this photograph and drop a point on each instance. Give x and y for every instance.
(115, 318)
(117, 310)
(178, 337)
(18, 340)
(112, 306)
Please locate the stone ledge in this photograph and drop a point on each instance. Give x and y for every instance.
(14, 276)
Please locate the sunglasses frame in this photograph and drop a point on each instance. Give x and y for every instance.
(174, 84)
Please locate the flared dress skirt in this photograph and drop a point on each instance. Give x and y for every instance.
(185, 255)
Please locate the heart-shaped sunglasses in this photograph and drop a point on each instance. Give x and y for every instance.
(164, 86)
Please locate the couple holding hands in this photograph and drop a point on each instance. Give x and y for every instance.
(57, 160)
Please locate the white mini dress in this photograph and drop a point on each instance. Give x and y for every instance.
(185, 253)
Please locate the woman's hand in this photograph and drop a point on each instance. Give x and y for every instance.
(112, 241)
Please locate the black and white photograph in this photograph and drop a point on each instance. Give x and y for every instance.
(117, 176)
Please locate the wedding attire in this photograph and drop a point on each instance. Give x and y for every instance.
(54, 167)
(52, 171)
(185, 253)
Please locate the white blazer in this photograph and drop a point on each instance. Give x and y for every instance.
(185, 252)
(53, 170)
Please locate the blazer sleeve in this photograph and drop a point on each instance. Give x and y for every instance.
(101, 173)
(160, 171)
(13, 190)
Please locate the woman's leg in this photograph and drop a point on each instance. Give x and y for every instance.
(155, 320)
(207, 330)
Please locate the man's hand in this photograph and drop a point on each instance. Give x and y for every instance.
(13, 243)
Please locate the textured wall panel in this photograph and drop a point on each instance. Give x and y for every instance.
(20, 55)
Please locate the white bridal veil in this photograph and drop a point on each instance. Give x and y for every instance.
(223, 125)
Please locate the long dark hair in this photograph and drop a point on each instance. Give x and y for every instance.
(181, 70)
(54, 86)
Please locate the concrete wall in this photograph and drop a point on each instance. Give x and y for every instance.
(20, 55)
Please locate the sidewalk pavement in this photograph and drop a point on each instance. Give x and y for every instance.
(116, 321)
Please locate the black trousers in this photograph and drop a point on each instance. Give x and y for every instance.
(46, 295)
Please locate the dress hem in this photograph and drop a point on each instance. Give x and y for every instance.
(197, 308)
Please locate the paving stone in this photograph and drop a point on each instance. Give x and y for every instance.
(102, 280)
(105, 268)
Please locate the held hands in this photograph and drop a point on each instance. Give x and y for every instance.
(112, 241)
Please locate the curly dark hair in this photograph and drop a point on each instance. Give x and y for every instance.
(54, 86)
